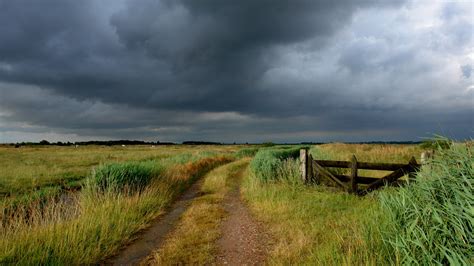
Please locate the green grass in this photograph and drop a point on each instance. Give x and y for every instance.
(432, 221)
(266, 162)
(310, 225)
(27, 169)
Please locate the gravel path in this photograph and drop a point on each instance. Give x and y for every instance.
(243, 240)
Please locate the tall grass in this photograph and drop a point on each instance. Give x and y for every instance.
(432, 221)
(266, 162)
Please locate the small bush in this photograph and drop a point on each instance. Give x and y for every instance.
(431, 221)
(436, 143)
(267, 161)
(247, 152)
(267, 144)
(118, 176)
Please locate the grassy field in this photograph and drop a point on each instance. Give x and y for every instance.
(27, 169)
(86, 226)
(124, 188)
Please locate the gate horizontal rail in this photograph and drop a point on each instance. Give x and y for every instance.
(316, 170)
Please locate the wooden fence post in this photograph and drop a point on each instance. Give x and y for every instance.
(427, 158)
(309, 169)
(353, 187)
(304, 164)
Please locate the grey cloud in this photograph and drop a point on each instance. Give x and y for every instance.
(181, 69)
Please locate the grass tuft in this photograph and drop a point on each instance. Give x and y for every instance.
(117, 176)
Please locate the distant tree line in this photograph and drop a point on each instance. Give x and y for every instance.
(93, 142)
(191, 142)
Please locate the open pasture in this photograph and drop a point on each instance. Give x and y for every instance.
(128, 188)
(31, 168)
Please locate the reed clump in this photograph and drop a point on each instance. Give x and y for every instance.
(117, 176)
(267, 162)
(432, 220)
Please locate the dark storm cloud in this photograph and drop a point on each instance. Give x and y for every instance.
(179, 69)
(220, 49)
(177, 54)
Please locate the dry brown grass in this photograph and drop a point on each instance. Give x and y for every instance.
(394, 153)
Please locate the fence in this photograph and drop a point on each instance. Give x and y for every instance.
(316, 171)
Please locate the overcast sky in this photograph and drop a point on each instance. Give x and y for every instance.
(243, 71)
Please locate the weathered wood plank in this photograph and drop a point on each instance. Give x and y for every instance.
(353, 187)
(325, 172)
(330, 163)
(363, 165)
(388, 178)
(316, 174)
(303, 164)
(309, 170)
(381, 166)
(365, 180)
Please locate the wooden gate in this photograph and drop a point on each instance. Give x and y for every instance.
(315, 171)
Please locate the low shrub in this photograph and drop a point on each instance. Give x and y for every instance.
(431, 221)
(267, 144)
